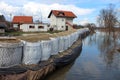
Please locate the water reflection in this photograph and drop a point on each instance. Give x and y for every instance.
(59, 74)
(99, 59)
(108, 45)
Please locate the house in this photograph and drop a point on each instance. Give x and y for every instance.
(26, 24)
(61, 20)
(3, 24)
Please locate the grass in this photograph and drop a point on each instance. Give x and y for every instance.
(19, 33)
(37, 36)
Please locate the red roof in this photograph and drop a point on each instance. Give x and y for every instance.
(61, 13)
(22, 19)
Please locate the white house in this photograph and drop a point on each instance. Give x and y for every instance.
(61, 20)
(25, 24)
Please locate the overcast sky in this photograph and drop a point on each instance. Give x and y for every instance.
(85, 10)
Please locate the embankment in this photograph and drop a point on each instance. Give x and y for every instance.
(36, 60)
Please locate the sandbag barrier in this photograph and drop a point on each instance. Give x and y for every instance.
(10, 54)
(33, 53)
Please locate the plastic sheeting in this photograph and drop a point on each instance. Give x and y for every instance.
(54, 47)
(10, 54)
(32, 53)
(46, 49)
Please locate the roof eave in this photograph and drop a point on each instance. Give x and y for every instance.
(66, 17)
(50, 14)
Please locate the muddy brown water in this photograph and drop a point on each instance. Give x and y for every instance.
(99, 60)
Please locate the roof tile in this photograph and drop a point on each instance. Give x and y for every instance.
(22, 19)
(61, 13)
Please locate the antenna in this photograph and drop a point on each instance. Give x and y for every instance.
(10, 16)
(40, 16)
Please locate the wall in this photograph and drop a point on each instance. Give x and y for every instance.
(53, 22)
(57, 23)
(70, 20)
(15, 25)
(60, 23)
(25, 27)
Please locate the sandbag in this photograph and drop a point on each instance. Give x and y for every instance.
(66, 42)
(69, 44)
(32, 53)
(46, 49)
(54, 47)
(72, 38)
(61, 44)
(10, 54)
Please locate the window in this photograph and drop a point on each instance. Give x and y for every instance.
(62, 19)
(31, 26)
(41, 27)
(62, 26)
(61, 14)
(48, 25)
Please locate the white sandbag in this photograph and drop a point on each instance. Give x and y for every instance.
(76, 36)
(54, 47)
(71, 39)
(10, 54)
(46, 49)
(61, 44)
(69, 44)
(66, 43)
(32, 53)
(80, 31)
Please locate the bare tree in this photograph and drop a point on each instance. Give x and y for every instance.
(118, 17)
(108, 17)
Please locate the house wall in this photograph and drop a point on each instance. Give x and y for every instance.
(59, 23)
(70, 20)
(53, 22)
(26, 28)
(15, 25)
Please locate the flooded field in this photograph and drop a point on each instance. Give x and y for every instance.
(99, 60)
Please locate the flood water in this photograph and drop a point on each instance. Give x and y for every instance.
(99, 60)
